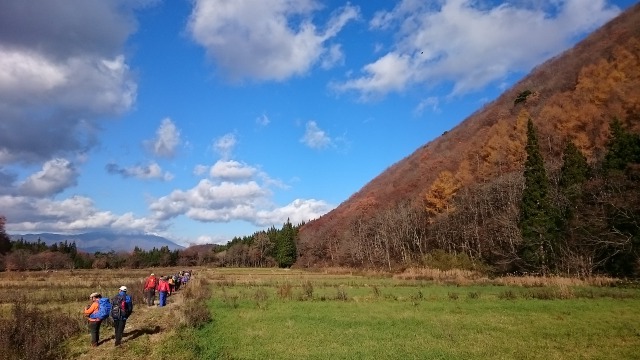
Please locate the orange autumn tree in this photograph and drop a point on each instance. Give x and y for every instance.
(438, 199)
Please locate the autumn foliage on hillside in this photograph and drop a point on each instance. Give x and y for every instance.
(462, 192)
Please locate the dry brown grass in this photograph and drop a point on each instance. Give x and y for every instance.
(65, 293)
(454, 276)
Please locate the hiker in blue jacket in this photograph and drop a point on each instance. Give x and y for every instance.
(121, 309)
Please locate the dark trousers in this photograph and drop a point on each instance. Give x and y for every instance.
(151, 295)
(119, 326)
(94, 330)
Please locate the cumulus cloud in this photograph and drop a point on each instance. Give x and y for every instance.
(55, 176)
(235, 191)
(265, 40)
(232, 170)
(314, 137)
(61, 69)
(227, 201)
(470, 44)
(166, 141)
(142, 172)
(70, 215)
(210, 201)
(297, 211)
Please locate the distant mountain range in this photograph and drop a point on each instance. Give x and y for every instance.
(102, 241)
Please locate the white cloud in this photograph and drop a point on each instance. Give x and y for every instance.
(264, 40)
(224, 145)
(334, 57)
(392, 72)
(166, 141)
(207, 239)
(142, 172)
(209, 201)
(55, 176)
(297, 211)
(70, 215)
(239, 192)
(314, 137)
(231, 170)
(200, 170)
(470, 44)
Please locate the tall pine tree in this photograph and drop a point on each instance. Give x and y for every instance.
(623, 148)
(5, 242)
(286, 252)
(574, 172)
(536, 214)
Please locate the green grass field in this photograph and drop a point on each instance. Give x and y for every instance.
(338, 314)
(301, 316)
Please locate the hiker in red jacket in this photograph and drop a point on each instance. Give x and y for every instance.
(150, 285)
(163, 291)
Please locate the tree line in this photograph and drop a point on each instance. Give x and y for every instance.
(270, 248)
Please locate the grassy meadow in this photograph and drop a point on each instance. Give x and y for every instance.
(340, 314)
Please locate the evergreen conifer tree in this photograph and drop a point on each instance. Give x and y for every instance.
(536, 215)
(574, 171)
(5, 242)
(286, 252)
(623, 148)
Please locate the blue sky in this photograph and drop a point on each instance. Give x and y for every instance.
(201, 120)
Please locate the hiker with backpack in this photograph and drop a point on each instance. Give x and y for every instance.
(163, 291)
(149, 289)
(121, 309)
(97, 311)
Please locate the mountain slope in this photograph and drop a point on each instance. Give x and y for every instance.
(572, 96)
(103, 241)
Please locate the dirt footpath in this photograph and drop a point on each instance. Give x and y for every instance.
(145, 329)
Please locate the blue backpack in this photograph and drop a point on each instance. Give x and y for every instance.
(104, 308)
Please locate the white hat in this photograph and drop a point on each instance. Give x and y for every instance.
(95, 294)
(123, 288)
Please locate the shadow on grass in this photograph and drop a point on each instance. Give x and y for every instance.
(139, 332)
(134, 334)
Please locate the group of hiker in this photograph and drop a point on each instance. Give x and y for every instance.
(164, 285)
(120, 307)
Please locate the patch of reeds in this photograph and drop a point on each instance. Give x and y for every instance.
(508, 295)
(195, 311)
(307, 290)
(285, 291)
(451, 276)
(261, 297)
(31, 333)
(341, 294)
(376, 290)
